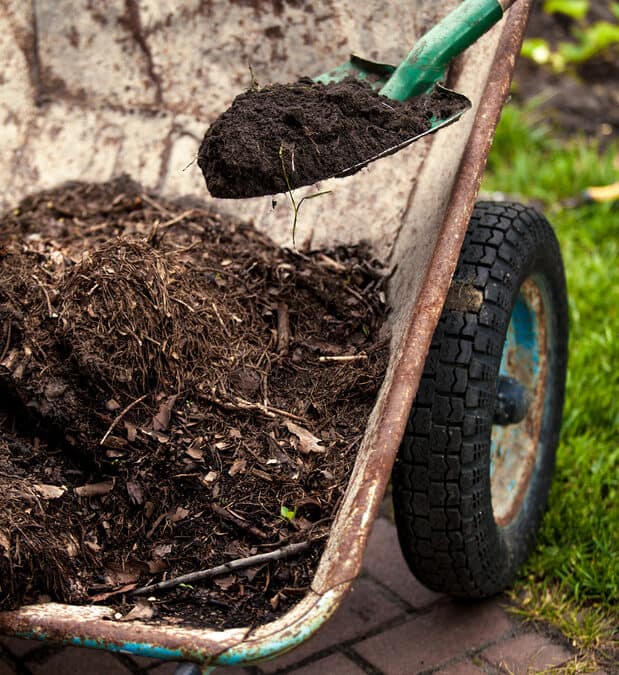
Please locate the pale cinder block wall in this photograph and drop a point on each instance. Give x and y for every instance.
(92, 89)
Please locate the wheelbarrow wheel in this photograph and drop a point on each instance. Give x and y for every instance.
(474, 469)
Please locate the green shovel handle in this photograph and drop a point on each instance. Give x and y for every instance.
(425, 64)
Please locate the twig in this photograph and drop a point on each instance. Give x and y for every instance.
(195, 159)
(295, 205)
(246, 527)
(283, 328)
(156, 205)
(49, 304)
(242, 404)
(352, 357)
(120, 416)
(7, 344)
(94, 489)
(221, 321)
(239, 564)
(268, 410)
(176, 219)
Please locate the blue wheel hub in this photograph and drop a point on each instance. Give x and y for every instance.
(519, 403)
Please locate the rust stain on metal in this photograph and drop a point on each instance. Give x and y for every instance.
(394, 406)
(522, 440)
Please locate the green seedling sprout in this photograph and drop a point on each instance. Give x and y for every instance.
(255, 86)
(288, 514)
(295, 205)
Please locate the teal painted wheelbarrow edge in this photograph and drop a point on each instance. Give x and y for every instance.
(341, 562)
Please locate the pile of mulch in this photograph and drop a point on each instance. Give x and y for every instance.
(283, 136)
(177, 392)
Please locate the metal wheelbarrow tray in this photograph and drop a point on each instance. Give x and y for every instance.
(175, 73)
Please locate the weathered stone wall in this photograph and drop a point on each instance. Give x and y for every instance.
(92, 89)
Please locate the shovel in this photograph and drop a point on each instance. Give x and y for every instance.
(424, 66)
(419, 73)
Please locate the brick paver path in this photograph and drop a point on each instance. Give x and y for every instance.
(388, 624)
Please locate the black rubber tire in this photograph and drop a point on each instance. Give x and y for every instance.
(441, 478)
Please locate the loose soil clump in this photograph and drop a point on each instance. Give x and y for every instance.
(284, 136)
(176, 392)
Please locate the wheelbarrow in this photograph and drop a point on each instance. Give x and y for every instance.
(469, 412)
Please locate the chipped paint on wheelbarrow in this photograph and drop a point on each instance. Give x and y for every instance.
(513, 447)
(416, 219)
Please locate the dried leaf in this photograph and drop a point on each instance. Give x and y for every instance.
(235, 433)
(94, 489)
(156, 566)
(142, 610)
(307, 441)
(156, 435)
(93, 546)
(250, 572)
(112, 405)
(238, 466)
(49, 491)
(114, 577)
(162, 419)
(179, 514)
(132, 432)
(210, 477)
(5, 544)
(135, 491)
(161, 550)
(224, 582)
(195, 453)
(101, 597)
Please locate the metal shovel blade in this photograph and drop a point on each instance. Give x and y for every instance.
(377, 75)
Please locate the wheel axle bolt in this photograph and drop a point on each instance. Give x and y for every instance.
(512, 401)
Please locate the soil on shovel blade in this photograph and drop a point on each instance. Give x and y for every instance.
(284, 136)
(176, 392)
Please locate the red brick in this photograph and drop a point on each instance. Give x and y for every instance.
(528, 653)
(462, 668)
(166, 668)
(18, 646)
(364, 608)
(76, 660)
(384, 561)
(169, 668)
(336, 664)
(433, 638)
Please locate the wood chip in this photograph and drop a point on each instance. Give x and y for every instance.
(307, 441)
(5, 544)
(141, 611)
(238, 466)
(161, 420)
(135, 492)
(94, 489)
(179, 514)
(49, 491)
(210, 477)
(195, 453)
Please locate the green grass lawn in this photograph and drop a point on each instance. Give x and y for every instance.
(572, 579)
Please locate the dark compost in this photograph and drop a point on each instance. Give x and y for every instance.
(284, 136)
(173, 397)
